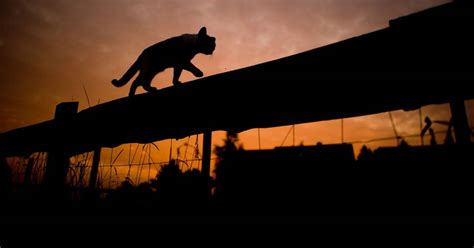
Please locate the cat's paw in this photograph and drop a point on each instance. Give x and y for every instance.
(199, 74)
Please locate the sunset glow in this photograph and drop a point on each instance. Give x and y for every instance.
(52, 50)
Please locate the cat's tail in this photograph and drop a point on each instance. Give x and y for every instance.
(127, 76)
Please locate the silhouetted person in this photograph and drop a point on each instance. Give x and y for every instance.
(449, 140)
(176, 52)
(428, 124)
(427, 128)
(433, 137)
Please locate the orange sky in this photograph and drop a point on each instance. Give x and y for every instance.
(51, 49)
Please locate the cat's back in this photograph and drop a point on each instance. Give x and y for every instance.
(173, 45)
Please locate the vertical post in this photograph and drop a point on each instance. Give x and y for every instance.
(342, 131)
(94, 169)
(206, 153)
(57, 169)
(462, 131)
(58, 157)
(294, 141)
(28, 171)
(5, 178)
(259, 144)
(394, 128)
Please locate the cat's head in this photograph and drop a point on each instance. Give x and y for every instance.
(205, 44)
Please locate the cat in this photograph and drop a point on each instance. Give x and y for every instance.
(176, 52)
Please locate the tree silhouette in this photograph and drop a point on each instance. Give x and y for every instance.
(366, 154)
(181, 191)
(171, 192)
(230, 145)
(226, 176)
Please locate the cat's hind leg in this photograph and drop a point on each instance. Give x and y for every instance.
(137, 82)
(133, 88)
(146, 82)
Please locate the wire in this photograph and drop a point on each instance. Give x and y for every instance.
(391, 138)
(171, 149)
(87, 96)
(259, 144)
(294, 129)
(342, 130)
(289, 131)
(394, 128)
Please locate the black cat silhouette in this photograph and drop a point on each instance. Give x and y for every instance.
(176, 52)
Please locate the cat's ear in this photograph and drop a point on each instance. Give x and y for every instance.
(202, 31)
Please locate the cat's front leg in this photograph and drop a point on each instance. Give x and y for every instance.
(194, 70)
(176, 75)
(149, 88)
